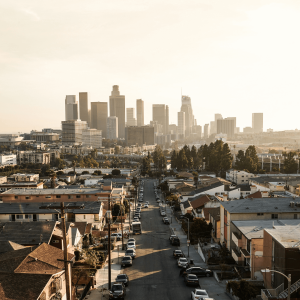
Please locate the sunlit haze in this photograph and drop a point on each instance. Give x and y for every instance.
(231, 57)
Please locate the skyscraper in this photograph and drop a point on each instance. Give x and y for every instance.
(186, 106)
(167, 119)
(181, 124)
(117, 109)
(71, 108)
(72, 132)
(112, 128)
(206, 131)
(84, 107)
(140, 112)
(258, 122)
(131, 121)
(226, 126)
(141, 135)
(99, 114)
(92, 138)
(161, 114)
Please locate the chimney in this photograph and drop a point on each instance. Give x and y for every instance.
(225, 197)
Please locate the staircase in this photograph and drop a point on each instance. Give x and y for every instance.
(294, 287)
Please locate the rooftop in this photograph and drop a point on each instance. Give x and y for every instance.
(204, 189)
(34, 208)
(287, 236)
(261, 205)
(254, 229)
(8, 246)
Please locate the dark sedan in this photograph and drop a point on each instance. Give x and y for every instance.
(198, 271)
(191, 279)
(177, 253)
(118, 291)
(123, 278)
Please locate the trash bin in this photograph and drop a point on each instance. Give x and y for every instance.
(191, 261)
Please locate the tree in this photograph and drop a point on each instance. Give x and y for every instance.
(247, 160)
(200, 228)
(115, 172)
(242, 289)
(290, 164)
(116, 209)
(117, 150)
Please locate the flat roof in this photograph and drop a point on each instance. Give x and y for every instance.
(254, 229)
(287, 236)
(261, 205)
(59, 191)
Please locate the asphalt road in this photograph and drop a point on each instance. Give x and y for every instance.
(154, 274)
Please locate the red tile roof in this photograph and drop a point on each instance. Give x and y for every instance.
(199, 202)
(255, 195)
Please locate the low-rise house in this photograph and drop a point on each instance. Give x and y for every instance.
(255, 209)
(21, 185)
(198, 203)
(24, 177)
(172, 182)
(33, 273)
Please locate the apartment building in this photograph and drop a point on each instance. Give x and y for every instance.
(8, 159)
(33, 157)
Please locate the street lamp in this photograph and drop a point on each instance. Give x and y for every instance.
(289, 279)
(188, 241)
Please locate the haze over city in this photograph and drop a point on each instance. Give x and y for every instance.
(230, 57)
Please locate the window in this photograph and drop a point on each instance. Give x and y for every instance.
(48, 197)
(78, 196)
(260, 214)
(70, 197)
(28, 216)
(295, 216)
(16, 197)
(83, 216)
(88, 196)
(19, 217)
(55, 241)
(58, 196)
(274, 216)
(27, 197)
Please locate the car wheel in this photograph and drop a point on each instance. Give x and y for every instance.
(207, 275)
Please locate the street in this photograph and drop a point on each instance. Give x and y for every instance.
(154, 274)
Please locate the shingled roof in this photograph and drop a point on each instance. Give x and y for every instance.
(205, 189)
(27, 233)
(7, 246)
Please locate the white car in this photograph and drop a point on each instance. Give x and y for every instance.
(182, 262)
(117, 235)
(146, 205)
(198, 294)
(131, 245)
(162, 213)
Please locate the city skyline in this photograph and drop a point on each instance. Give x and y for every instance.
(231, 57)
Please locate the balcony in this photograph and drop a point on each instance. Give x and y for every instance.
(245, 253)
(237, 239)
(235, 255)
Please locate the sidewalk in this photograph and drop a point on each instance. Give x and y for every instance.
(101, 286)
(215, 289)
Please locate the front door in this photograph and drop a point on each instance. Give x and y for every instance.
(34, 217)
(13, 218)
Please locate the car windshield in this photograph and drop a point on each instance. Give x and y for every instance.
(178, 251)
(117, 287)
(126, 258)
(183, 259)
(201, 293)
(121, 276)
(129, 251)
(193, 277)
(131, 244)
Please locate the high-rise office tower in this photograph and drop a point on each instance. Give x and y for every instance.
(141, 135)
(213, 124)
(181, 124)
(160, 114)
(72, 132)
(186, 106)
(71, 108)
(99, 114)
(131, 121)
(206, 131)
(112, 128)
(84, 107)
(117, 109)
(92, 138)
(258, 122)
(226, 126)
(167, 119)
(140, 112)
(218, 117)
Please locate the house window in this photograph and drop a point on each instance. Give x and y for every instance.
(58, 196)
(48, 197)
(78, 196)
(28, 216)
(55, 241)
(295, 216)
(274, 216)
(260, 214)
(19, 217)
(16, 197)
(70, 197)
(88, 196)
(27, 197)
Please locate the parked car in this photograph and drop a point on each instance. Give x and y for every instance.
(146, 205)
(177, 253)
(171, 236)
(162, 213)
(131, 240)
(126, 261)
(200, 272)
(166, 222)
(182, 262)
(118, 291)
(130, 252)
(191, 279)
(136, 219)
(131, 245)
(175, 241)
(123, 278)
(198, 294)
(117, 235)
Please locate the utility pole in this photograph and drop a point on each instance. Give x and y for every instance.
(65, 260)
(121, 209)
(109, 246)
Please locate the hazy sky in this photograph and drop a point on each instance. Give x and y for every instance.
(231, 57)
